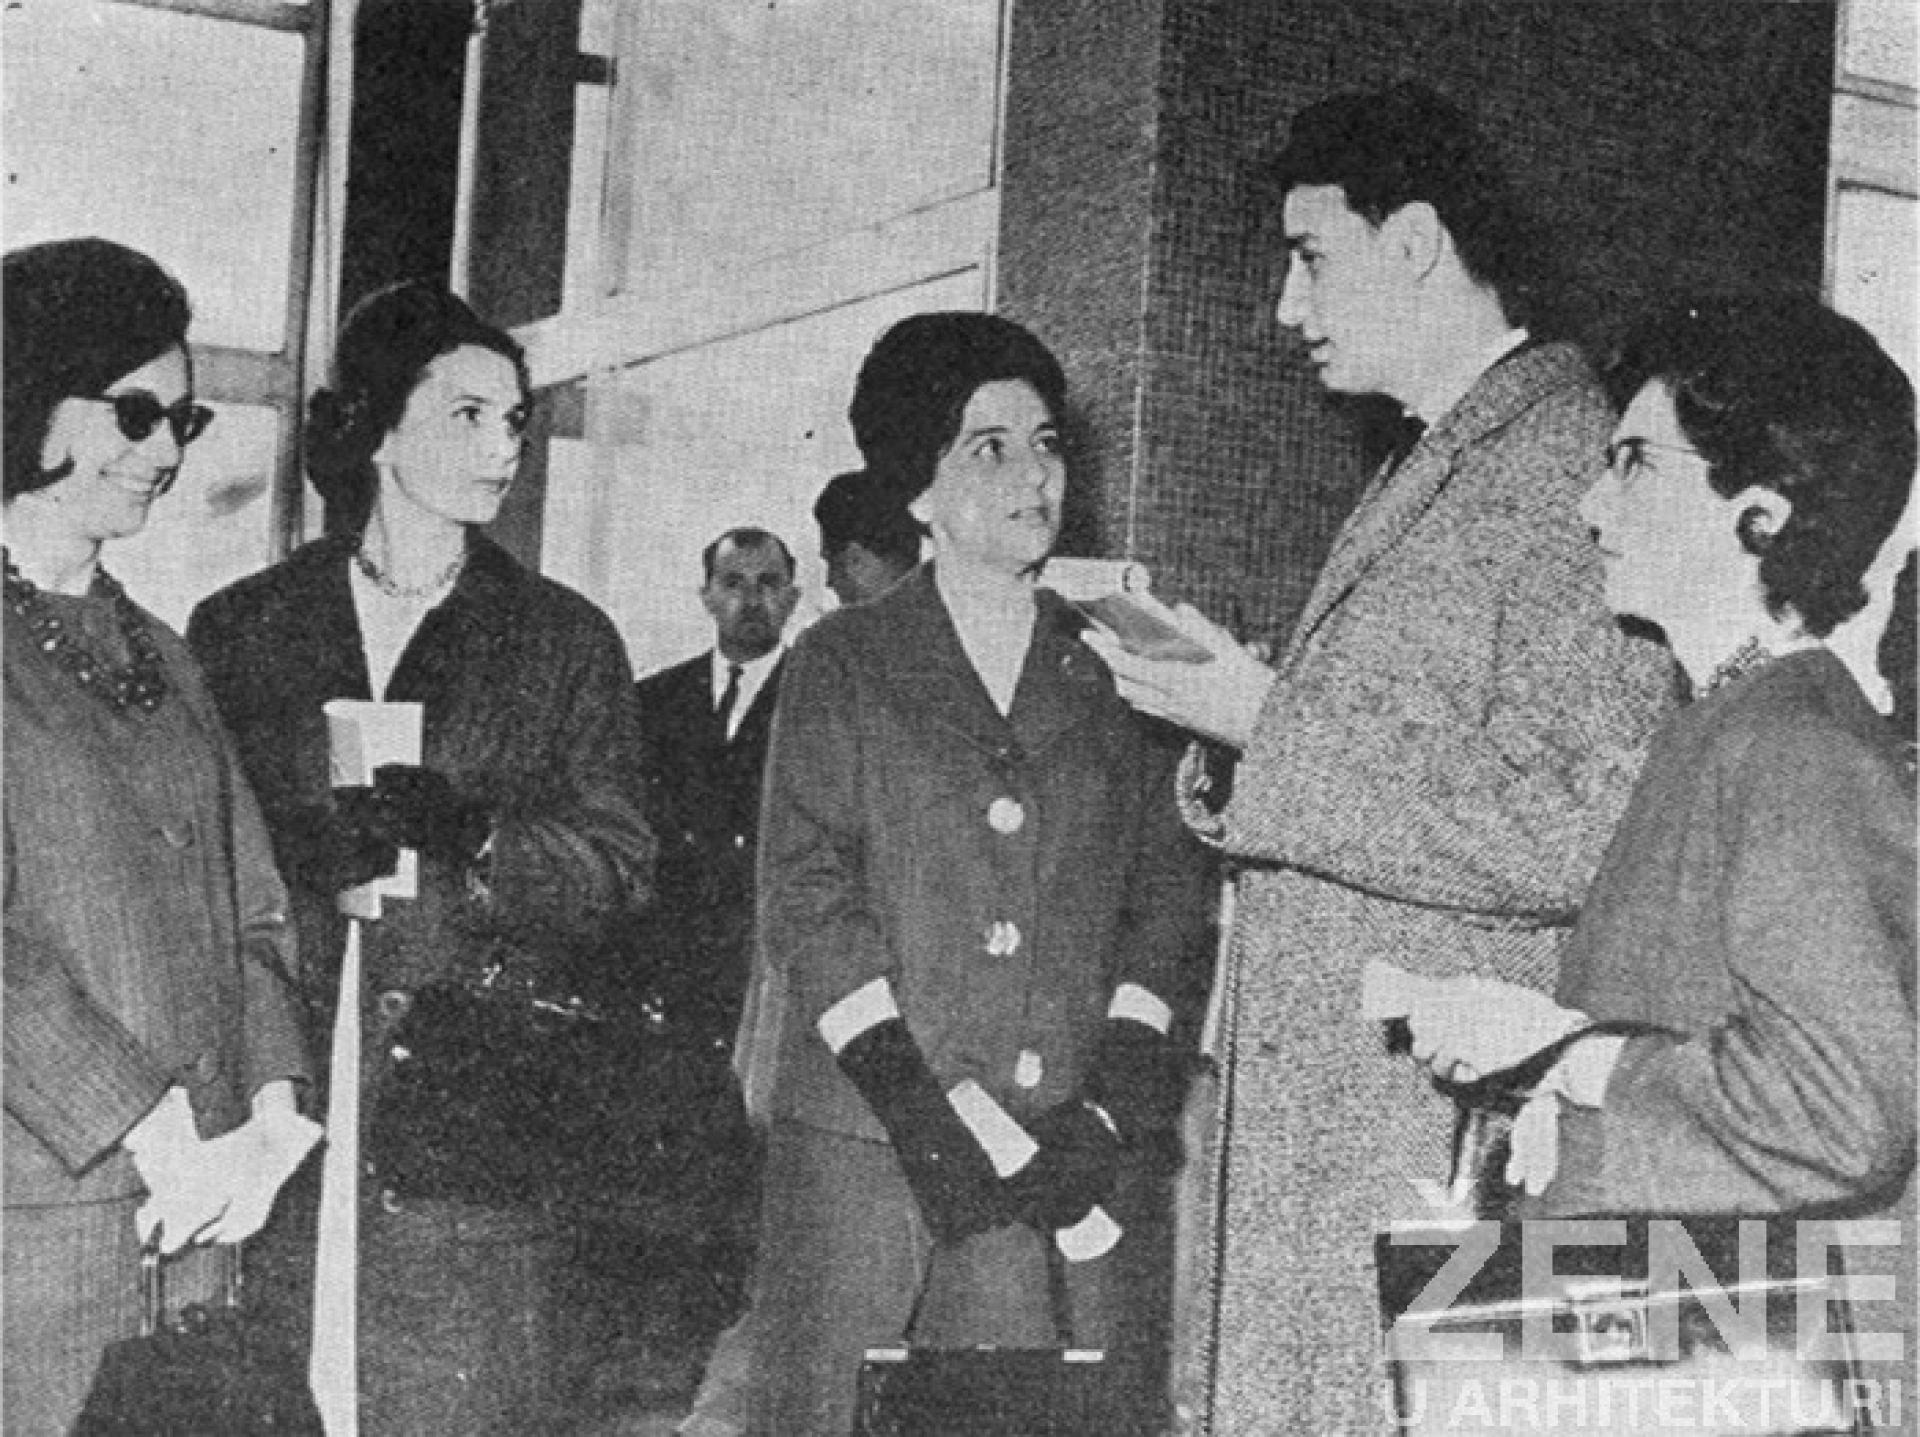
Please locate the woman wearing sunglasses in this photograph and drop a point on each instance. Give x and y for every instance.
(525, 811)
(153, 1048)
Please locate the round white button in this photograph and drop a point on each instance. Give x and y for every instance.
(1005, 815)
(1003, 939)
(1028, 1069)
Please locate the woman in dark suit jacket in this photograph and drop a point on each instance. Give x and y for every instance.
(152, 1043)
(971, 871)
(526, 812)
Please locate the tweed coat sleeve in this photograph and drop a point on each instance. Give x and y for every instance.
(1461, 727)
(1805, 1096)
(576, 862)
(814, 918)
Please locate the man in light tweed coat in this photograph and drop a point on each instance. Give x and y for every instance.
(1432, 773)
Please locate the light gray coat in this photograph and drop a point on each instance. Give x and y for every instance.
(1457, 726)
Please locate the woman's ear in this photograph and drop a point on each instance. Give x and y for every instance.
(918, 508)
(1763, 513)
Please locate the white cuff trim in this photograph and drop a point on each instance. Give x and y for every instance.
(865, 1007)
(1130, 1000)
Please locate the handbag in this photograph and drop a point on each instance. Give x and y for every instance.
(1642, 1324)
(485, 1092)
(986, 1392)
(205, 1372)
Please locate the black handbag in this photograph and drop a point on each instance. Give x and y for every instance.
(1637, 1324)
(987, 1392)
(486, 1091)
(207, 1371)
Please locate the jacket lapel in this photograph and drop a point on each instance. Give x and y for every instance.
(1394, 503)
(461, 642)
(935, 671)
(1061, 683)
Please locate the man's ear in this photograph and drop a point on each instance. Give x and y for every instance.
(1416, 236)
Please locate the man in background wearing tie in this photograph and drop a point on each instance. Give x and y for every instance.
(690, 1196)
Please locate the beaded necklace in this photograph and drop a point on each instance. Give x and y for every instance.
(1751, 655)
(141, 684)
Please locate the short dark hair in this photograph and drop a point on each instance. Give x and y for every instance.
(1409, 144)
(80, 315)
(856, 508)
(744, 538)
(385, 346)
(1777, 390)
(914, 385)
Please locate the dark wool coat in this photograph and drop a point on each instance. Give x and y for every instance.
(1456, 728)
(879, 857)
(703, 800)
(529, 706)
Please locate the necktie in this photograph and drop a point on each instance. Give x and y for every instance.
(724, 714)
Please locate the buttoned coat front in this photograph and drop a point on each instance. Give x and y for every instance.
(1432, 781)
(1005, 872)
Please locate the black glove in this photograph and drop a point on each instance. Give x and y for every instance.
(337, 847)
(1073, 1171)
(417, 808)
(1139, 1079)
(947, 1170)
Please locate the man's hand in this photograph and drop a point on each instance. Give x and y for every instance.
(1220, 700)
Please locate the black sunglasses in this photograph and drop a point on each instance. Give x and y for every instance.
(138, 414)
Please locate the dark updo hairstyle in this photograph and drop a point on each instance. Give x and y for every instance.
(1777, 390)
(81, 314)
(861, 508)
(914, 385)
(384, 348)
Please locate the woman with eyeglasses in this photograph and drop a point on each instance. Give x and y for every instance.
(153, 1049)
(1743, 968)
(525, 811)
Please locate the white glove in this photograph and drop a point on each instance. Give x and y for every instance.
(185, 1192)
(263, 1153)
(1465, 1028)
(1534, 1156)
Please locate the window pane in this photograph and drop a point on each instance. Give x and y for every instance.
(213, 527)
(173, 133)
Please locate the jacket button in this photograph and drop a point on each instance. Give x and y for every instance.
(1003, 939)
(1028, 1070)
(1006, 816)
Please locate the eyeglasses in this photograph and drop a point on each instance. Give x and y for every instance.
(138, 414)
(1626, 458)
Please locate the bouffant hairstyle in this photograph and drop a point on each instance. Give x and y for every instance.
(1777, 390)
(80, 315)
(385, 346)
(1405, 145)
(857, 508)
(914, 385)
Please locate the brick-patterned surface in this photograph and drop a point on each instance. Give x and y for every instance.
(1661, 143)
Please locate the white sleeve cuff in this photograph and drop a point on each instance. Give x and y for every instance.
(865, 1007)
(1130, 1000)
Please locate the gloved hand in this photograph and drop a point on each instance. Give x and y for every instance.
(336, 847)
(1071, 1174)
(1139, 1079)
(418, 808)
(949, 1173)
(261, 1154)
(188, 1188)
